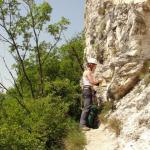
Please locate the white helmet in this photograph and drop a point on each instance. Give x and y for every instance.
(92, 61)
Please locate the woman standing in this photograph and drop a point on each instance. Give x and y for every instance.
(88, 82)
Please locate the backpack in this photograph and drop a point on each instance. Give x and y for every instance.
(92, 120)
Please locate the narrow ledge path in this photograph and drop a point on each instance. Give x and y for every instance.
(101, 139)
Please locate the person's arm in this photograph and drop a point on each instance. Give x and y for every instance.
(92, 79)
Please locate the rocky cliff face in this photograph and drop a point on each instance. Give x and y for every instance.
(118, 36)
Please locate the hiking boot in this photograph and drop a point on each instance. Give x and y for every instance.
(85, 128)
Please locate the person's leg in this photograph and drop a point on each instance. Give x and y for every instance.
(87, 95)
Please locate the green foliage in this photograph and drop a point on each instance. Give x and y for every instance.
(106, 107)
(45, 9)
(72, 58)
(2, 96)
(75, 140)
(48, 123)
(24, 22)
(56, 28)
(68, 92)
(37, 60)
(1, 1)
(64, 89)
(103, 118)
(48, 126)
(44, 127)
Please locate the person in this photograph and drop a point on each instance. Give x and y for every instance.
(88, 82)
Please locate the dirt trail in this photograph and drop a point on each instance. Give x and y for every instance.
(101, 139)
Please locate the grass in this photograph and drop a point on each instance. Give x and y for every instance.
(102, 118)
(115, 124)
(75, 140)
(105, 109)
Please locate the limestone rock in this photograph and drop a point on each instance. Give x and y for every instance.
(118, 35)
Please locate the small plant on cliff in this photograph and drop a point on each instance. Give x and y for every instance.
(75, 139)
(146, 72)
(105, 109)
(115, 125)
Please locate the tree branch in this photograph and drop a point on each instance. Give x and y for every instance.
(20, 59)
(38, 52)
(10, 17)
(20, 94)
(75, 54)
(20, 81)
(5, 39)
(20, 103)
(53, 46)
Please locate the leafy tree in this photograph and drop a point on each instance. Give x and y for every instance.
(47, 124)
(44, 127)
(22, 23)
(63, 71)
(72, 58)
(37, 112)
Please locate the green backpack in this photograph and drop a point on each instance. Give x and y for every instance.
(92, 119)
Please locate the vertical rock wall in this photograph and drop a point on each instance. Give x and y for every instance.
(118, 36)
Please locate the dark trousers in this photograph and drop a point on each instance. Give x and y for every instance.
(87, 97)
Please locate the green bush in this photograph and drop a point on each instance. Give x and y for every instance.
(75, 139)
(69, 93)
(44, 128)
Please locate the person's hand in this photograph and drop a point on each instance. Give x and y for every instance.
(97, 84)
